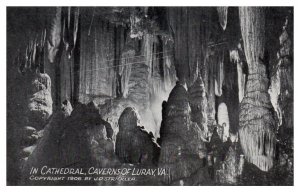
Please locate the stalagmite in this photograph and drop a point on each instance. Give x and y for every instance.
(232, 167)
(181, 145)
(256, 121)
(198, 102)
(76, 141)
(133, 143)
(39, 99)
(67, 108)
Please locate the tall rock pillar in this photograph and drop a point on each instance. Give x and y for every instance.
(256, 118)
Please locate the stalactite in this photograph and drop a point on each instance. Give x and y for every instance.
(54, 37)
(219, 73)
(76, 67)
(163, 78)
(66, 80)
(257, 124)
(146, 77)
(191, 33)
(138, 85)
(125, 70)
(235, 58)
(222, 11)
(230, 92)
(177, 18)
(97, 71)
(70, 16)
(136, 24)
(211, 92)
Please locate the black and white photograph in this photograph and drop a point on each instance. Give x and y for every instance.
(149, 96)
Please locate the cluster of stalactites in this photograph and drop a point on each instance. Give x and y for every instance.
(33, 57)
(258, 147)
(63, 27)
(252, 21)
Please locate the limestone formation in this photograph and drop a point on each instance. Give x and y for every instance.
(256, 119)
(77, 141)
(222, 11)
(198, 103)
(39, 100)
(133, 144)
(181, 144)
(231, 169)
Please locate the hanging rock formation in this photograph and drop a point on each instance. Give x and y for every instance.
(146, 76)
(222, 11)
(191, 33)
(54, 37)
(256, 120)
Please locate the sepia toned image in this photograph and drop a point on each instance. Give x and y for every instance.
(150, 96)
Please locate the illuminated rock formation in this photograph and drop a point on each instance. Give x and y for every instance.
(181, 144)
(256, 120)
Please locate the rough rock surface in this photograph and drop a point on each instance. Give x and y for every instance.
(231, 169)
(181, 144)
(66, 108)
(256, 119)
(198, 102)
(38, 110)
(133, 144)
(281, 92)
(77, 141)
(39, 100)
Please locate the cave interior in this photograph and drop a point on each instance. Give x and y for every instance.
(205, 92)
